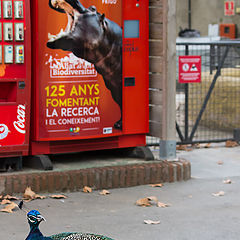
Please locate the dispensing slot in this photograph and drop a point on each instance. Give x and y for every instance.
(8, 91)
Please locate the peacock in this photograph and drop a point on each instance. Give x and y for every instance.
(35, 218)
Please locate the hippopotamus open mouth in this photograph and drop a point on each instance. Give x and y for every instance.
(73, 9)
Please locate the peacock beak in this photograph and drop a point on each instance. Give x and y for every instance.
(41, 218)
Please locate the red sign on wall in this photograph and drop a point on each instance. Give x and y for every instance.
(189, 69)
(229, 8)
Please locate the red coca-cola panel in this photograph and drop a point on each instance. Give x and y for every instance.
(12, 125)
(15, 77)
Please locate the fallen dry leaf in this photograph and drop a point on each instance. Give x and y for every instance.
(163, 205)
(87, 189)
(143, 202)
(9, 208)
(151, 222)
(5, 201)
(230, 143)
(219, 194)
(156, 185)
(37, 196)
(196, 145)
(147, 202)
(60, 196)
(208, 145)
(104, 192)
(153, 198)
(9, 197)
(29, 194)
(182, 147)
(228, 181)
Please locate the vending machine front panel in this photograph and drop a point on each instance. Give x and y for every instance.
(15, 77)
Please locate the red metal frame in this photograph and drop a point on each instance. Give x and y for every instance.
(16, 73)
(135, 98)
(136, 64)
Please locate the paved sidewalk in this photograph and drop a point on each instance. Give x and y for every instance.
(194, 212)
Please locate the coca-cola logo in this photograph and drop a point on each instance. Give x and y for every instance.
(3, 131)
(20, 123)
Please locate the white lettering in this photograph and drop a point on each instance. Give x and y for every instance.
(109, 1)
(20, 124)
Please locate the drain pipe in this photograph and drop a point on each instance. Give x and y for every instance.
(189, 15)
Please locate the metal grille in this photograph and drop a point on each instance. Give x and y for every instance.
(209, 111)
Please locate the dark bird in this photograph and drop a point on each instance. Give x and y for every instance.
(34, 219)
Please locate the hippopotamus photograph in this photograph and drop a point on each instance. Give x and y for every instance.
(91, 36)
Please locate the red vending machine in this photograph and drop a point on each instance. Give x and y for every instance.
(15, 77)
(90, 75)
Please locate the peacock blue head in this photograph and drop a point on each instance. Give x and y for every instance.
(34, 218)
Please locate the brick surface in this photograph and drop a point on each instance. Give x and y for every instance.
(159, 178)
(43, 182)
(165, 172)
(153, 178)
(97, 178)
(110, 177)
(103, 178)
(58, 183)
(116, 177)
(147, 174)
(122, 177)
(134, 176)
(140, 175)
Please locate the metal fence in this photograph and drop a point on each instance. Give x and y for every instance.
(209, 111)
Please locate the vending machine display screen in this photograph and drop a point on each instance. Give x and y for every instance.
(131, 29)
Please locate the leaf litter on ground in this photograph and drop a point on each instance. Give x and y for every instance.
(219, 194)
(150, 201)
(9, 208)
(104, 192)
(231, 143)
(5, 201)
(227, 181)
(87, 189)
(28, 196)
(58, 196)
(31, 195)
(151, 222)
(156, 185)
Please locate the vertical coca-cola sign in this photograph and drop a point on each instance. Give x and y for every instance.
(20, 123)
(12, 125)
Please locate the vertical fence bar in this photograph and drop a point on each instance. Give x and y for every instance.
(186, 99)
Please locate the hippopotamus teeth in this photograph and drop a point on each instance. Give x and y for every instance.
(51, 37)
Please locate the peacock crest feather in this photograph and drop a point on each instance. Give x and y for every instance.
(35, 218)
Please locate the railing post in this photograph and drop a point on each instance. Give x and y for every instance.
(186, 100)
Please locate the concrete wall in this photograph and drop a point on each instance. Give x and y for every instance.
(204, 12)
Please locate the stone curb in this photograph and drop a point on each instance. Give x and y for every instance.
(97, 178)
